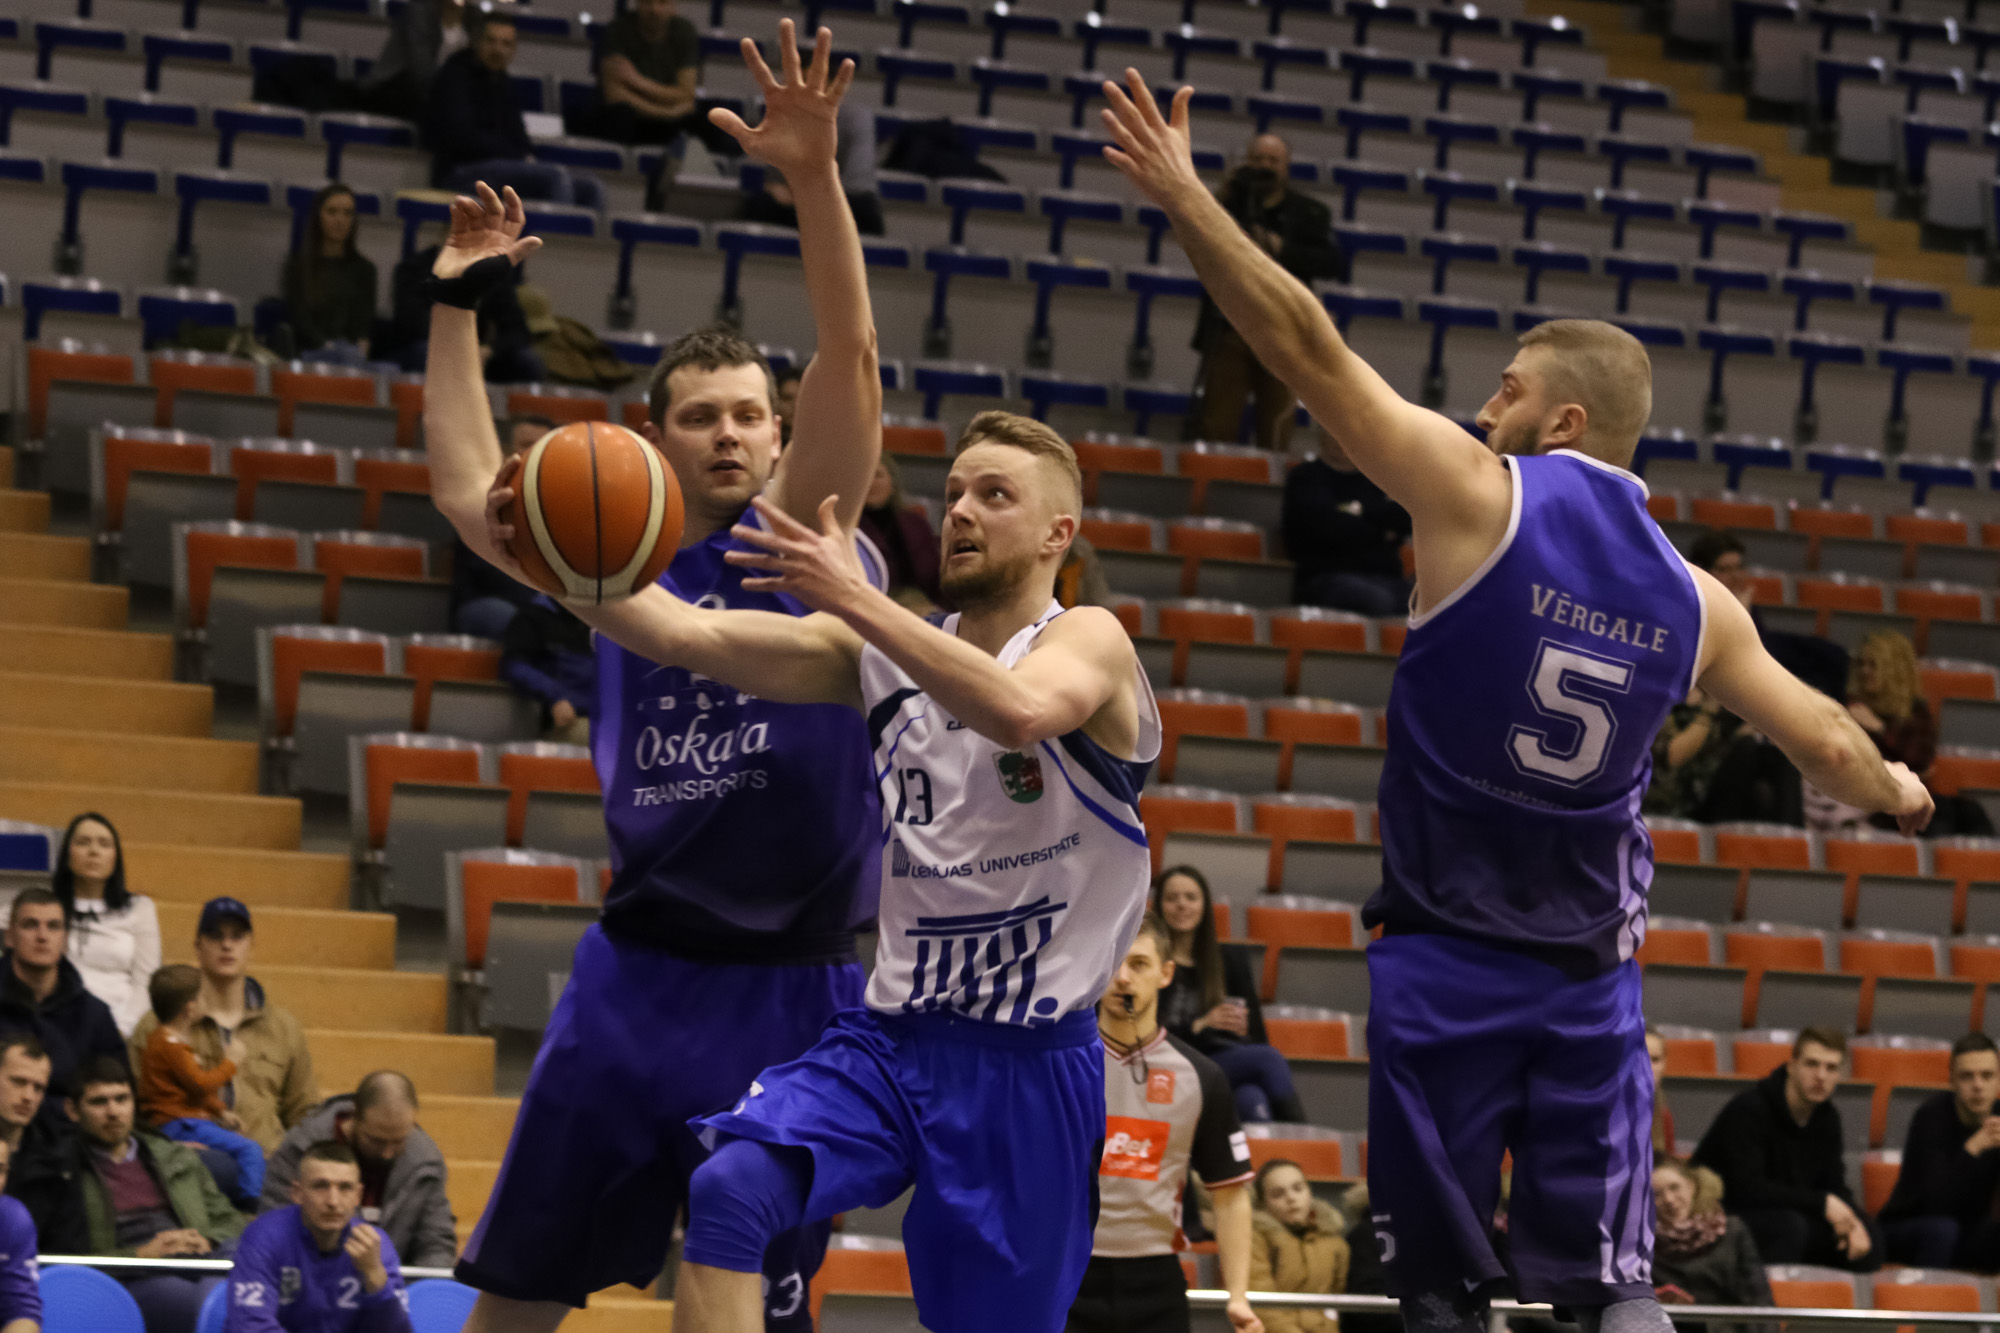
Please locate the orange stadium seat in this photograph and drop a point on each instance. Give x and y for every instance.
(1110, 530)
(278, 460)
(527, 766)
(1302, 1033)
(1927, 527)
(637, 414)
(925, 438)
(1715, 511)
(1879, 1169)
(375, 554)
(1965, 859)
(1669, 940)
(1938, 601)
(1221, 462)
(1202, 620)
(207, 545)
(406, 395)
(1675, 841)
(1296, 722)
(292, 655)
(559, 406)
(879, 1269)
(496, 875)
(1827, 593)
(1890, 1062)
(1316, 1150)
(1691, 1052)
(378, 472)
(1757, 1053)
(1131, 613)
(1170, 809)
(1215, 539)
(429, 658)
(1223, 929)
(1801, 1286)
(1303, 629)
(1664, 506)
(406, 757)
(1198, 713)
(321, 384)
(128, 451)
(1826, 521)
(1887, 953)
(1762, 847)
(1976, 958)
(1098, 456)
(1930, 1292)
(61, 362)
(1870, 852)
(172, 372)
(1295, 919)
(1941, 679)
(1959, 766)
(1761, 946)
(1393, 633)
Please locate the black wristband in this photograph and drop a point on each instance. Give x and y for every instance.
(469, 288)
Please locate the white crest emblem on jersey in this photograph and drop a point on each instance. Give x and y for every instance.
(1020, 776)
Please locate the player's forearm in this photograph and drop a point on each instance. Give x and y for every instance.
(1845, 764)
(1232, 1236)
(781, 658)
(459, 442)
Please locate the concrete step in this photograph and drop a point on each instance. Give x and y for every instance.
(24, 511)
(357, 1000)
(146, 708)
(468, 1182)
(294, 937)
(438, 1064)
(52, 650)
(36, 555)
(61, 602)
(269, 822)
(182, 763)
(476, 1128)
(6, 467)
(178, 873)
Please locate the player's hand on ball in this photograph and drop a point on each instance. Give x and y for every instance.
(1914, 808)
(819, 568)
(483, 227)
(499, 532)
(798, 129)
(1153, 150)
(1242, 1318)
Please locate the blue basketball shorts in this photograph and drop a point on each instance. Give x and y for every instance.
(997, 1127)
(1476, 1051)
(596, 1173)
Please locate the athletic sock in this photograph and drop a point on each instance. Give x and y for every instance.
(1642, 1315)
(1445, 1310)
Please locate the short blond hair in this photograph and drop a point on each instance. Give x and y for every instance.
(1032, 436)
(1606, 371)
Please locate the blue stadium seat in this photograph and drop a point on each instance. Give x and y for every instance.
(1351, 178)
(1919, 134)
(963, 197)
(1624, 94)
(1070, 147)
(1929, 472)
(737, 239)
(1719, 278)
(1452, 74)
(632, 230)
(46, 98)
(204, 48)
(295, 12)
(1723, 343)
(1449, 187)
(967, 379)
(1810, 286)
(1443, 314)
(1062, 207)
(1093, 30)
(414, 213)
(1358, 65)
(1711, 217)
(1803, 227)
(1628, 206)
(1532, 200)
(264, 57)
(1149, 283)
(1188, 40)
(1634, 267)
(25, 846)
(1534, 85)
(1905, 362)
(278, 122)
(1264, 108)
(1817, 350)
(946, 263)
(1653, 332)
(1707, 159)
(1445, 248)
(1366, 12)
(991, 75)
(895, 66)
(1359, 238)
(1535, 139)
(1344, 303)
(1838, 460)
(1536, 33)
(1045, 390)
(1146, 401)
(583, 154)
(22, 167)
(52, 35)
(439, 1305)
(1464, 19)
(1048, 275)
(909, 13)
(147, 109)
(1449, 130)
(340, 129)
(1539, 257)
(1361, 119)
(1277, 51)
(76, 1297)
(1005, 21)
(1896, 297)
(1624, 151)
(162, 309)
(197, 187)
(78, 179)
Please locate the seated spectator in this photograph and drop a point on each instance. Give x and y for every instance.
(1081, 581)
(1364, 1265)
(1820, 663)
(1777, 1148)
(42, 994)
(1701, 1255)
(549, 657)
(402, 1171)
(854, 158)
(474, 127)
(484, 601)
(1885, 695)
(1212, 1004)
(648, 62)
(313, 1267)
(41, 1173)
(1945, 1209)
(1344, 536)
(178, 1095)
(1298, 1243)
(786, 404)
(329, 284)
(20, 1289)
(146, 1197)
(424, 34)
(114, 934)
(1663, 1119)
(1706, 767)
(902, 532)
(274, 1087)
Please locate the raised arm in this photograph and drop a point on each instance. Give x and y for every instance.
(1816, 733)
(838, 436)
(1426, 463)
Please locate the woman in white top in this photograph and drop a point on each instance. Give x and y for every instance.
(114, 934)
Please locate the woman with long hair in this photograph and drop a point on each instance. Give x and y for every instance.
(329, 284)
(1298, 1244)
(1702, 1255)
(114, 934)
(1885, 695)
(1212, 1004)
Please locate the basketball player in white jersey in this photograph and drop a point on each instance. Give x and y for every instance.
(1010, 744)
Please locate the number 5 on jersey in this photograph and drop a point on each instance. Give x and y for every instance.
(1574, 752)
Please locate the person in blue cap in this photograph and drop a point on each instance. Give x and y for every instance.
(315, 1267)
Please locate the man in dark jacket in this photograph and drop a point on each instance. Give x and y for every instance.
(1297, 231)
(1345, 537)
(419, 40)
(1941, 1214)
(548, 656)
(475, 131)
(42, 1163)
(42, 993)
(1777, 1146)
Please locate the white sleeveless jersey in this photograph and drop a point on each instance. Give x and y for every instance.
(1012, 880)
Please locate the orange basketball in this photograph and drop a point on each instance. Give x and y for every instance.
(597, 513)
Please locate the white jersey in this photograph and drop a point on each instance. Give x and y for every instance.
(1012, 880)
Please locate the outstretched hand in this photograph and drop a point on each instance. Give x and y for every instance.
(1155, 151)
(817, 567)
(482, 228)
(797, 131)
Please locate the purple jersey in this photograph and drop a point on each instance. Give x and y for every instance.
(20, 1288)
(740, 828)
(1522, 720)
(283, 1281)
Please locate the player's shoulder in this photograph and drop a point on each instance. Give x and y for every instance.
(15, 1220)
(1089, 628)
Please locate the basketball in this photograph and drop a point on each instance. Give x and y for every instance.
(597, 513)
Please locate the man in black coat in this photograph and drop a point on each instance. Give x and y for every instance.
(1777, 1147)
(1941, 1214)
(42, 994)
(1345, 537)
(41, 1164)
(475, 130)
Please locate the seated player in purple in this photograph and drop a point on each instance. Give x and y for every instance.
(1553, 629)
(20, 1286)
(314, 1267)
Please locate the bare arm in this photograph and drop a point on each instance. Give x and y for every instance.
(1233, 1240)
(838, 437)
(1815, 732)
(624, 83)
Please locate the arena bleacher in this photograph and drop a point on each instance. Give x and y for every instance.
(1809, 283)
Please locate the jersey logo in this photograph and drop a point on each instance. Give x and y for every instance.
(1133, 1149)
(977, 963)
(290, 1283)
(1020, 776)
(1239, 1146)
(1160, 1087)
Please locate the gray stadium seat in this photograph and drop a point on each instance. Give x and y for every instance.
(395, 606)
(1352, 678)
(1807, 999)
(482, 710)
(154, 503)
(1345, 870)
(1328, 978)
(1236, 865)
(242, 600)
(1255, 669)
(1939, 1007)
(1696, 997)
(309, 506)
(1813, 898)
(1969, 722)
(1232, 763)
(568, 822)
(428, 819)
(1335, 1092)
(334, 705)
(1704, 893)
(1351, 772)
(1906, 902)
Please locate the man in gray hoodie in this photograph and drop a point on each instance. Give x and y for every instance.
(402, 1170)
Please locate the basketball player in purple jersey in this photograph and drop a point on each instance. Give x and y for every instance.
(744, 833)
(1553, 627)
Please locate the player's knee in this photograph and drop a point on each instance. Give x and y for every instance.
(742, 1197)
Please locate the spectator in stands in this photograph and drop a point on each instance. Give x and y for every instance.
(1663, 1119)
(854, 154)
(1344, 536)
(20, 1291)
(902, 532)
(274, 1087)
(1701, 1255)
(313, 1267)
(1945, 1209)
(329, 284)
(474, 127)
(146, 1197)
(1300, 1245)
(786, 404)
(648, 62)
(42, 1172)
(1211, 1002)
(1820, 663)
(42, 993)
(1699, 740)
(424, 35)
(547, 655)
(180, 1096)
(1777, 1147)
(484, 601)
(1295, 229)
(1081, 581)
(114, 934)
(402, 1171)
(1885, 695)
